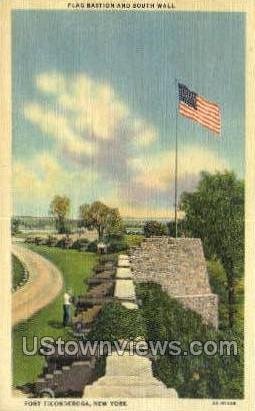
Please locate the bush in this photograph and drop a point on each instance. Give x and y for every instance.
(92, 246)
(200, 376)
(15, 226)
(40, 241)
(52, 241)
(116, 322)
(217, 276)
(115, 246)
(218, 282)
(80, 244)
(65, 242)
(30, 239)
(133, 240)
(154, 228)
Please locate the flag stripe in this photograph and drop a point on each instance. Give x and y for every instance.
(215, 115)
(212, 128)
(207, 103)
(208, 112)
(190, 113)
(206, 117)
(198, 114)
(202, 122)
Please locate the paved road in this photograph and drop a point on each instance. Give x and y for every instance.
(44, 284)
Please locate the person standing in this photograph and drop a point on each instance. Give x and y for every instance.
(67, 309)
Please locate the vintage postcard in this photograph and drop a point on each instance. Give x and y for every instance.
(127, 205)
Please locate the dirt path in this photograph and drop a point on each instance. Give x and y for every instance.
(44, 284)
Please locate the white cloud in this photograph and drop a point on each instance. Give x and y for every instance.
(144, 134)
(157, 171)
(51, 84)
(58, 127)
(44, 177)
(84, 109)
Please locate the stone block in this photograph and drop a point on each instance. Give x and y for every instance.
(128, 377)
(124, 273)
(124, 263)
(124, 290)
(130, 306)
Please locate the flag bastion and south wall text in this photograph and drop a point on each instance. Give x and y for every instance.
(121, 5)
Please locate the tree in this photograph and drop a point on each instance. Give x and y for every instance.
(60, 208)
(15, 223)
(154, 228)
(215, 213)
(104, 219)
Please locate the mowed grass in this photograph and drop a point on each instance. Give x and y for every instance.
(75, 267)
(17, 271)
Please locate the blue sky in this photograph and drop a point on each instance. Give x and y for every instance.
(94, 105)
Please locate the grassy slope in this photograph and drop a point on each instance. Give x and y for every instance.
(75, 267)
(17, 271)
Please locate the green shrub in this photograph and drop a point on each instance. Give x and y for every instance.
(133, 240)
(18, 272)
(154, 228)
(92, 246)
(30, 239)
(80, 244)
(52, 241)
(115, 246)
(192, 376)
(116, 322)
(65, 242)
(218, 282)
(40, 240)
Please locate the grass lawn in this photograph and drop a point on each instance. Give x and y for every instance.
(75, 267)
(17, 271)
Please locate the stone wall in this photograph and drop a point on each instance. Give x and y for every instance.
(179, 266)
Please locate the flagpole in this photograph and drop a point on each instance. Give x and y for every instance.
(176, 163)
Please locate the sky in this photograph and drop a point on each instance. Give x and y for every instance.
(94, 106)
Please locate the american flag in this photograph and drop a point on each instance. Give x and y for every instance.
(199, 109)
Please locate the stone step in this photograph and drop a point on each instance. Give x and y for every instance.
(132, 391)
(128, 376)
(130, 306)
(131, 380)
(124, 273)
(124, 289)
